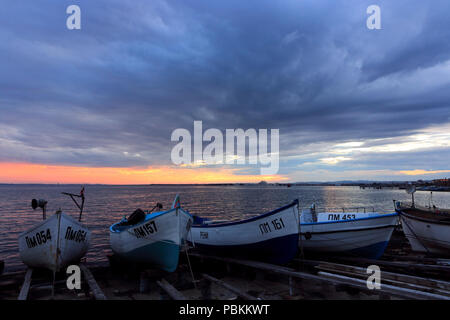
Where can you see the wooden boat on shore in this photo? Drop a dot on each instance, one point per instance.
(153, 237)
(361, 234)
(55, 242)
(271, 237)
(427, 229)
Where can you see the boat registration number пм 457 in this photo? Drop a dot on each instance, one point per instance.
(145, 230)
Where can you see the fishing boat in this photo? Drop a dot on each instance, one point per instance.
(426, 228)
(271, 237)
(152, 237)
(361, 234)
(55, 242)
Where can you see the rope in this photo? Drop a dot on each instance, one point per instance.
(190, 267)
(302, 254)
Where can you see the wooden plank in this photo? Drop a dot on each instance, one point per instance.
(410, 293)
(385, 280)
(170, 290)
(12, 274)
(26, 285)
(98, 293)
(390, 290)
(403, 265)
(426, 282)
(229, 287)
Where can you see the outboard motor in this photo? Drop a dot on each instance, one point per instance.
(41, 203)
(137, 216)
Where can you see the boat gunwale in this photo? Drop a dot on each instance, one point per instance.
(350, 230)
(155, 215)
(421, 219)
(72, 219)
(231, 223)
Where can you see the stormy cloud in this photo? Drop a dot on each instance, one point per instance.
(111, 93)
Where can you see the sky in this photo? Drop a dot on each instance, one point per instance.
(99, 104)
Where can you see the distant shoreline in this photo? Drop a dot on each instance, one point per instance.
(420, 185)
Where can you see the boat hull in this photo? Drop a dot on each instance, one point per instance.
(155, 241)
(54, 243)
(426, 236)
(365, 237)
(271, 237)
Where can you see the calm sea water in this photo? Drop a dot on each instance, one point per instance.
(108, 204)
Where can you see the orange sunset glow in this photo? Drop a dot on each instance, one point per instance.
(39, 173)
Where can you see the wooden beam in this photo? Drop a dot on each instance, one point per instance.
(98, 293)
(26, 285)
(386, 280)
(170, 290)
(425, 282)
(404, 293)
(403, 265)
(229, 287)
(409, 293)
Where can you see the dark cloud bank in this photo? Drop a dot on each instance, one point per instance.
(139, 69)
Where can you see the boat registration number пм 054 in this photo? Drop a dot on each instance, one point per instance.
(276, 224)
(40, 238)
(74, 235)
(338, 216)
(145, 230)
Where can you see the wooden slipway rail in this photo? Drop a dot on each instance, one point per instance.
(229, 287)
(170, 290)
(97, 292)
(406, 281)
(89, 278)
(338, 279)
(26, 285)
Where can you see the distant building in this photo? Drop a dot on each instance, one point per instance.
(442, 182)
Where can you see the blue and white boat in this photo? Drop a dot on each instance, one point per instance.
(361, 234)
(271, 237)
(152, 238)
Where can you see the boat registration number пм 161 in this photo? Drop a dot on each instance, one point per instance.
(277, 224)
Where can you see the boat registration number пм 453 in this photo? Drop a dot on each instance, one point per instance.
(266, 227)
(337, 217)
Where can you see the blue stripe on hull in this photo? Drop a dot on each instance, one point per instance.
(162, 254)
(279, 250)
(374, 251)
